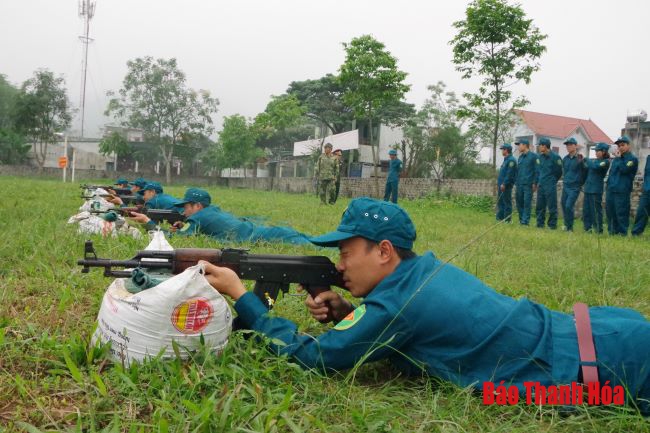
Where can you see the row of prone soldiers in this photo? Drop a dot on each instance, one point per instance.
(541, 172)
(202, 216)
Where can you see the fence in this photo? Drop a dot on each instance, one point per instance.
(409, 188)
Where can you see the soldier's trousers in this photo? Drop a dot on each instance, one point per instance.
(338, 188)
(592, 212)
(547, 198)
(327, 190)
(617, 207)
(524, 199)
(391, 190)
(642, 213)
(568, 202)
(504, 205)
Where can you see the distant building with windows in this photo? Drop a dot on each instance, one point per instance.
(532, 126)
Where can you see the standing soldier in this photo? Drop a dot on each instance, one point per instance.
(392, 181)
(507, 176)
(338, 153)
(619, 188)
(327, 169)
(572, 170)
(550, 171)
(643, 210)
(527, 169)
(592, 206)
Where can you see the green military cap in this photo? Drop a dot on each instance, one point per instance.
(328, 145)
(121, 181)
(374, 220)
(139, 182)
(602, 147)
(507, 146)
(544, 141)
(571, 141)
(522, 141)
(196, 195)
(153, 186)
(622, 139)
(392, 152)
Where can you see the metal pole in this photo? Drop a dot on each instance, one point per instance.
(65, 154)
(74, 162)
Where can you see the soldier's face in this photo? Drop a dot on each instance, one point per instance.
(600, 154)
(135, 188)
(571, 148)
(190, 209)
(623, 147)
(149, 194)
(328, 150)
(360, 265)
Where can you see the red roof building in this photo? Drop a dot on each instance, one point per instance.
(562, 127)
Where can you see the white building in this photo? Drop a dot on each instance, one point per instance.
(558, 129)
(358, 140)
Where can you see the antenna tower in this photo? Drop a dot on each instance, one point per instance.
(86, 12)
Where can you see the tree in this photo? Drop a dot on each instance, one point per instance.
(236, 145)
(41, 110)
(322, 100)
(371, 82)
(7, 94)
(13, 149)
(497, 42)
(114, 144)
(154, 97)
(273, 125)
(434, 140)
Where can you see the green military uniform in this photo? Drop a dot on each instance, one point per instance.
(327, 169)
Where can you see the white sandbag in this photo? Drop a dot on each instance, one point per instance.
(158, 242)
(93, 224)
(180, 309)
(95, 201)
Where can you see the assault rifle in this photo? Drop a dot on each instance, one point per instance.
(126, 199)
(271, 272)
(157, 215)
(118, 191)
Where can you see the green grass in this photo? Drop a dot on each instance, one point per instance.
(50, 380)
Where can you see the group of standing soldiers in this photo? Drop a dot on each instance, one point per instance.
(540, 173)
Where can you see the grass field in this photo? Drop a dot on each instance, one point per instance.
(50, 380)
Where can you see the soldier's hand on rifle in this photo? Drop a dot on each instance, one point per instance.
(115, 200)
(224, 280)
(502, 188)
(534, 187)
(177, 226)
(328, 306)
(139, 217)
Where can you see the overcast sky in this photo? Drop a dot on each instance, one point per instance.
(596, 65)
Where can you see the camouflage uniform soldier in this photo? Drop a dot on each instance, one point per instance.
(327, 169)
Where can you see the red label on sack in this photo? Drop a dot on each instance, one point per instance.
(192, 316)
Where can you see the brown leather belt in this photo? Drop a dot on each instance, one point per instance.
(585, 344)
